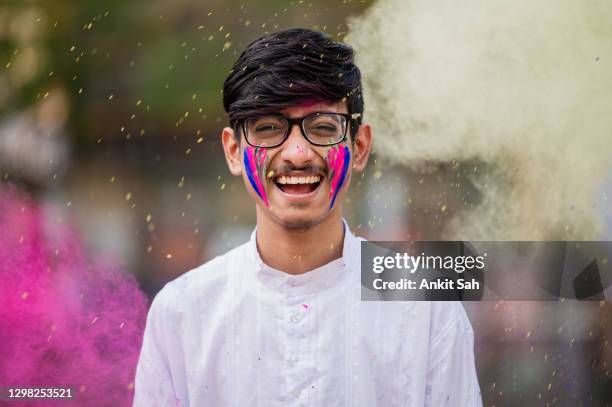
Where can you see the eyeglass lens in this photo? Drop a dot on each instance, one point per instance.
(323, 128)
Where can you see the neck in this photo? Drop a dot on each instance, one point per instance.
(297, 251)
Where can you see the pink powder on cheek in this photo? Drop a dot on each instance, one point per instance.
(63, 320)
(338, 159)
(262, 164)
(255, 162)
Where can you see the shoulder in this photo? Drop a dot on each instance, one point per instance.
(448, 321)
(202, 282)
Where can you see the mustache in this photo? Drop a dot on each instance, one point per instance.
(306, 170)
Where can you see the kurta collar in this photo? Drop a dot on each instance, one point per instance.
(312, 281)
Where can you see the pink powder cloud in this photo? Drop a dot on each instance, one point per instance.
(64, 321)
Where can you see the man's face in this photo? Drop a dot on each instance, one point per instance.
(298, 184)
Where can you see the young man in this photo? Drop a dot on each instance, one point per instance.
(278, 321)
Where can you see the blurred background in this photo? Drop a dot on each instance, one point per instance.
(111, 113)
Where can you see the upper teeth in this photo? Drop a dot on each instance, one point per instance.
(298, 180)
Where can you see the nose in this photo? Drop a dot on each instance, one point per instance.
(296, 149)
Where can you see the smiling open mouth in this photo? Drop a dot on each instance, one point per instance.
(298, 185)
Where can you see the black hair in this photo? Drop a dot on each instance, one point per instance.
(289, 67)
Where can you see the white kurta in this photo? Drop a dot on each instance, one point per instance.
(235, 332)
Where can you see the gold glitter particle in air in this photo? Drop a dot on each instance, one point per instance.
(128, 196)
(271, 174)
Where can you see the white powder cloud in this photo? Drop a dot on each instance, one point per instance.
(523, 89)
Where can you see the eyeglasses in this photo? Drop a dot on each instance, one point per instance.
(320, 128)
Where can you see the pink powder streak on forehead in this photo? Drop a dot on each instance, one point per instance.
(309, 103)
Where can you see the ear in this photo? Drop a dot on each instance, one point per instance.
(231, 148)
(361, 147)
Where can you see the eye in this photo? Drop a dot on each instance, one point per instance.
(326, 127)
(266, 127)
(323, 128)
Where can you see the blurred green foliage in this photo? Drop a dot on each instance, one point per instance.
(147, 67)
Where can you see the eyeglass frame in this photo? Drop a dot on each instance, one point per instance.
(299, 121)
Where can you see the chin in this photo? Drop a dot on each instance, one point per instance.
(294, 220)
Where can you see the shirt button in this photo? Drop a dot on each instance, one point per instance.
(296, 393)
(295, 318)
(294, 358)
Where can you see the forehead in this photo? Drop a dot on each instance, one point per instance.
(308, 107)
